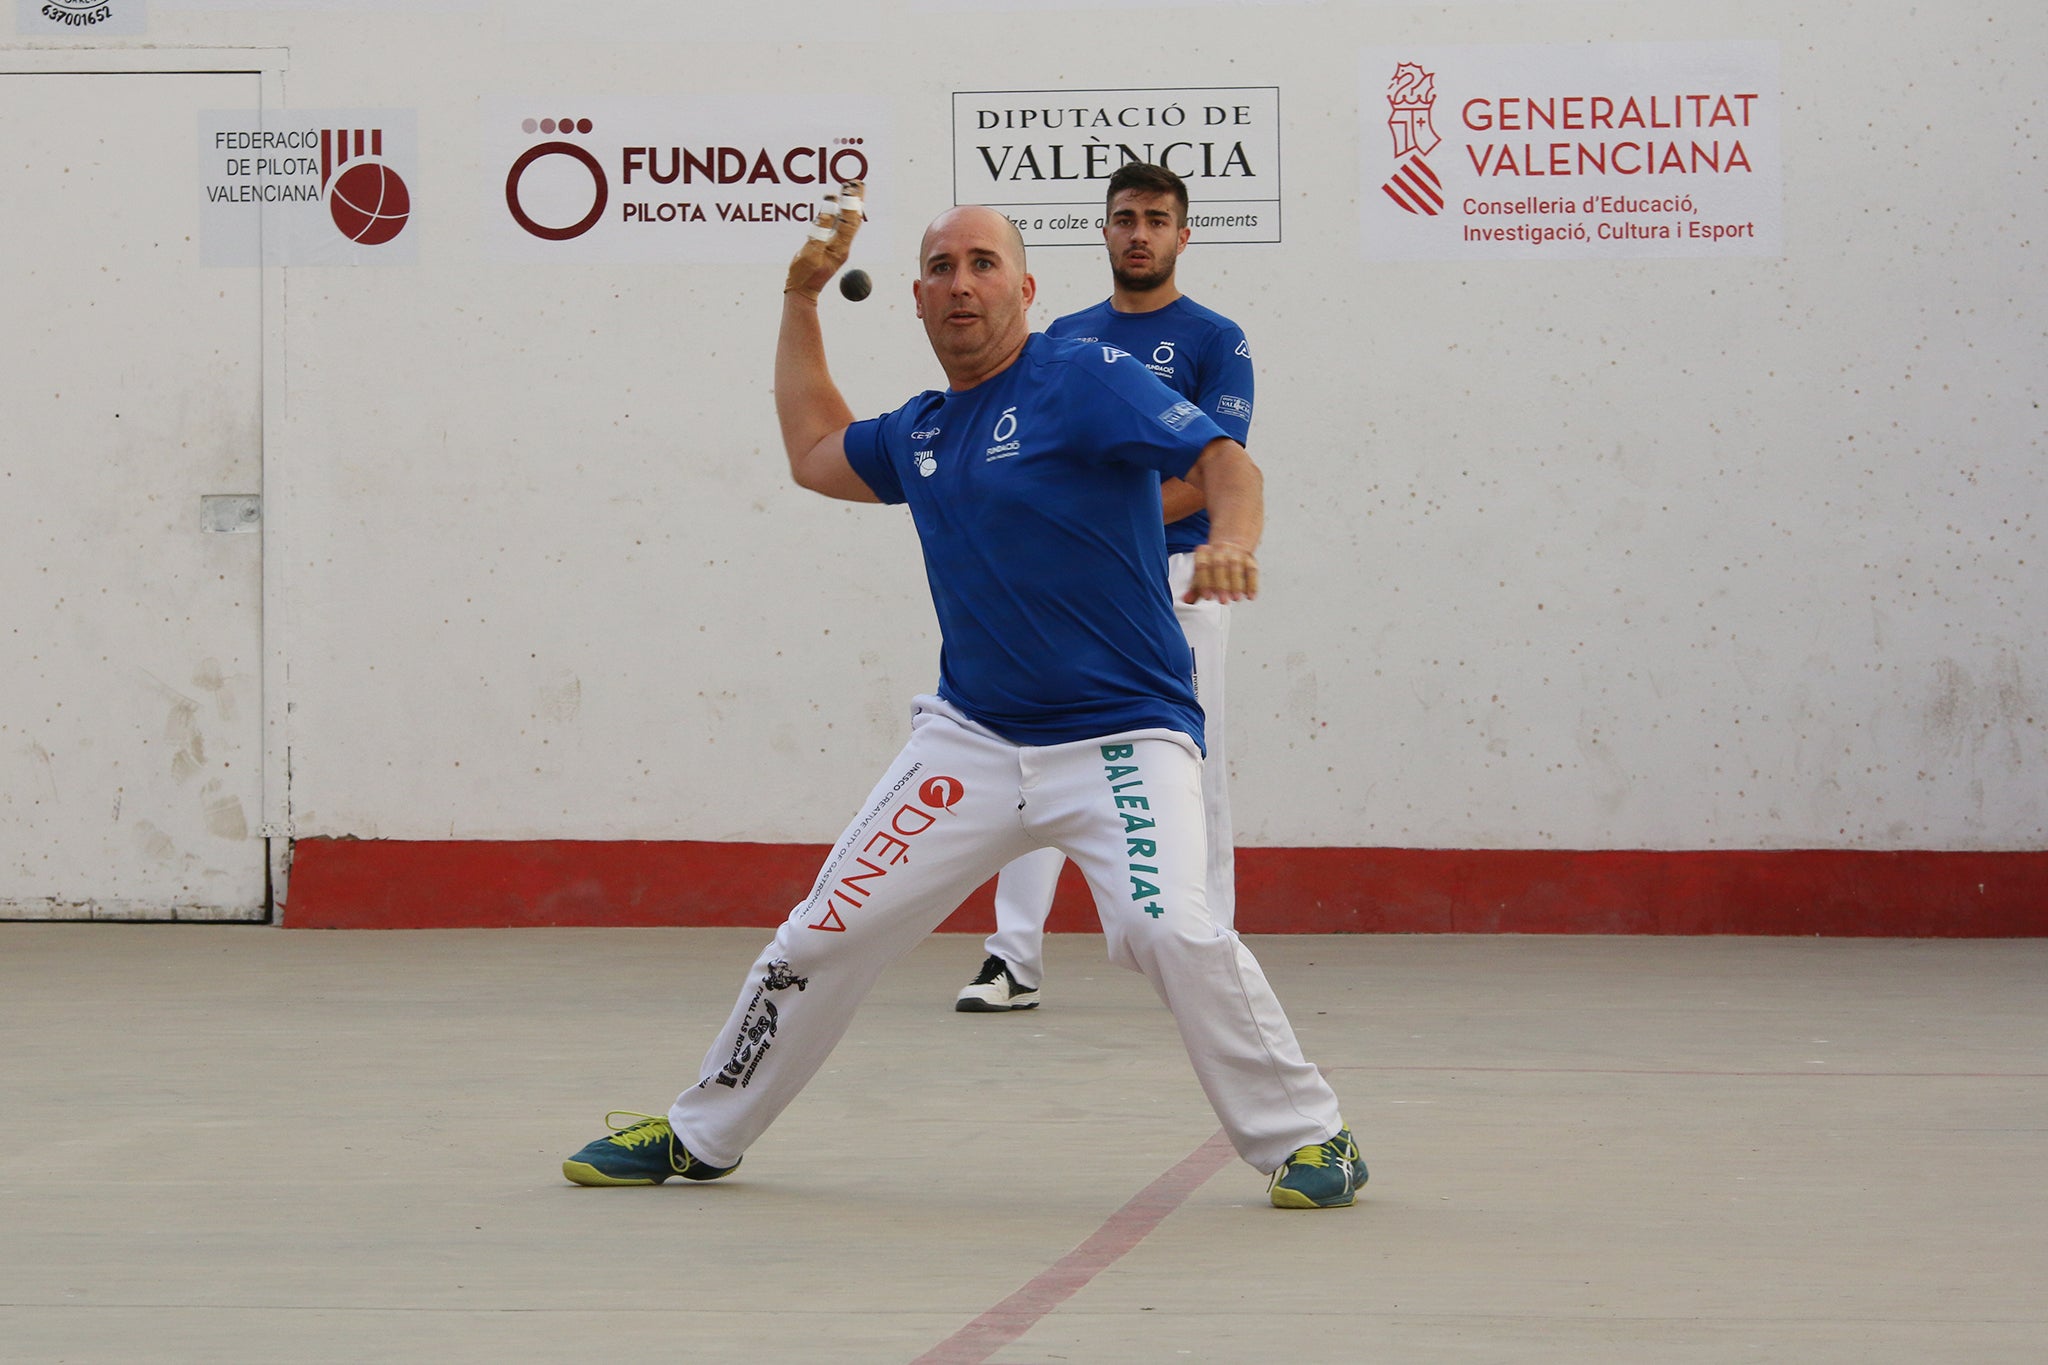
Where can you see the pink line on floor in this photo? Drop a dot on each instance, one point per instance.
(1819, 1069)
(1019, 1313)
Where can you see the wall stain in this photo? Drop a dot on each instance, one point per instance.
(209, 678)
(225, 818)
(154, 843)
(560, 701)
(181, 730)
(1996, 717)
(46, 766)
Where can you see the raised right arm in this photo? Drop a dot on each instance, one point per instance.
(813, 413)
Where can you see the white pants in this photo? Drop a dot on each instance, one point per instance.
(1024, 890)
(957, 804)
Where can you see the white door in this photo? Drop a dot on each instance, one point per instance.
(131, 773)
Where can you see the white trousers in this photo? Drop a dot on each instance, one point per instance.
(956, 804)
(1025, 888)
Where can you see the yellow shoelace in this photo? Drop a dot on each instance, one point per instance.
(1325, 1153)
(650, 1128)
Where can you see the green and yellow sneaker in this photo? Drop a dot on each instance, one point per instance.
(641, 1153)
(1323, 1176)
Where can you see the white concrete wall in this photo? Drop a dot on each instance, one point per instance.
(1659, 553)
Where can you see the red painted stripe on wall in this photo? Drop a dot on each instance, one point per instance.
(403, 884)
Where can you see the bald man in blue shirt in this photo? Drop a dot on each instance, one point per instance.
(1064, 714)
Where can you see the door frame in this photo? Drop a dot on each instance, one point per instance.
(268, 65)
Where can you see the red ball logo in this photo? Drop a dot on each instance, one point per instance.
(942, 793)
(369, 203)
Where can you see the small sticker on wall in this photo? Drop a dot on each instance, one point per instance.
(80, 18)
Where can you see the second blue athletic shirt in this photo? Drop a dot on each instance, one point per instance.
(1036, 499)
(1196, 352)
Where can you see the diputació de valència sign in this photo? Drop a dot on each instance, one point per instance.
(1044, 157)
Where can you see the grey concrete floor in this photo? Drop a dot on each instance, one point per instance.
(248, 1144)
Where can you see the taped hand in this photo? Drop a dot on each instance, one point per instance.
(829, 244)
(1224, 572)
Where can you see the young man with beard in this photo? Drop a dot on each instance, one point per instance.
(1065, 714)
(1202, 356)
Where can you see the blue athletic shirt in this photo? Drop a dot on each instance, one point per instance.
(1198, 353)
(1036, 498)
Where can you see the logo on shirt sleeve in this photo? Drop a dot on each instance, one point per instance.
(1244, 349)
(1110, 355)
(1179, 415)
(1230, 405)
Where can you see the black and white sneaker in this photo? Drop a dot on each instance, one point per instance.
(994, 990)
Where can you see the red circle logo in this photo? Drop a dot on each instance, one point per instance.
(941, 793)
(369, 203)
(600, 191)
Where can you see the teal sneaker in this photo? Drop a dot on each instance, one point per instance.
(1324, 1176)
(641, 1153)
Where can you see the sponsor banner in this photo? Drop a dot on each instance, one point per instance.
(308, 186)
(711, 179)
(1044, 157)
(1616, 150)
(80, 18)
